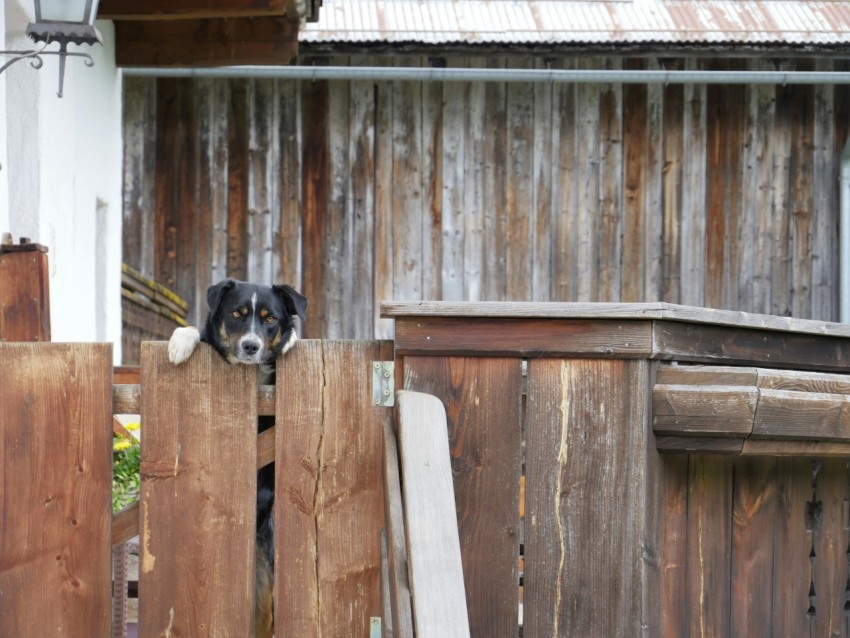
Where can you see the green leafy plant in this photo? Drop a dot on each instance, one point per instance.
(126, 453)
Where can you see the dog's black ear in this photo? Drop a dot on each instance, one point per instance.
(216, 292)
(295, 302)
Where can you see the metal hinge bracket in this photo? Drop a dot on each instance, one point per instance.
(383, 384)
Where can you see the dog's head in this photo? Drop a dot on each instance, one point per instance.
(252, 324)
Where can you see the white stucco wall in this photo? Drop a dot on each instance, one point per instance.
(63, 178)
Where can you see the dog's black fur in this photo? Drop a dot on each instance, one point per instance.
(251, 324)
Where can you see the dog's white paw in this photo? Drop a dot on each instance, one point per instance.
(182, 344)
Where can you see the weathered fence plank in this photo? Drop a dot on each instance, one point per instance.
(589, 524)
(198, 495)
(482, 398)
(329, 505)
(55, 455)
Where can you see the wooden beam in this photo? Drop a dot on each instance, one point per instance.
(715, 410)
(169, 10)
(206, 42)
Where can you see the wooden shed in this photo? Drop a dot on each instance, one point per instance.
(709, 192)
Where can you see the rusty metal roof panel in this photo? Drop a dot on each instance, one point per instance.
(533, 22)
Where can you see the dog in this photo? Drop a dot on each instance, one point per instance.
(250, 324)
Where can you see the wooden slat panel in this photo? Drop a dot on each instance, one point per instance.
(55, 454)
(674, 547)
(791, 546)
(545, 172)
(672, 179)
(762, 447)
(753, 518)
(803, 381)
(454, 159)
(288, 245)
(238, 174)
(589, 507)
(692, 266)
(706, 375)
(636, 133)
(475, 216)
(198, 496)
(709, 545)
(297, 483)
(610, 188)
(434, 559)
(482, 398)
(329, 469)
(691, 444)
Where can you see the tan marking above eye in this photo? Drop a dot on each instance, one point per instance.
(264, 313)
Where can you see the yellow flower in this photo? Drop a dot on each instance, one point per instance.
(119, 446)
(135, 425)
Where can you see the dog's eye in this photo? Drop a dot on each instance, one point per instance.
(236, 314)
(270, 319)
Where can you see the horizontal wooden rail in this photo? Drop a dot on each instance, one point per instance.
(754, 411)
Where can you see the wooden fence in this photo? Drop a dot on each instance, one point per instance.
(621, 536)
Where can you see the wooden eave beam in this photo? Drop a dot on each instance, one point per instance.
(206, 42)
(190, 9)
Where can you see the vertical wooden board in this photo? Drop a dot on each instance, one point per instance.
(635, 243)
(588, 162)
(289, 188)
(709, 545)
(349, 505)
(692, 264)
(544, 172)
(207, 177)
(589, 539)
(493, 189)
(218, 180)
(482, 399)
(55, 486)
(338, 253)
(673, 162)
(198, 495)
(754, 504)
(565, 239)
(299, 436)
(315, 186)
(801, 198)
(733, 144)
(781, 251)
(261, 188)
(361, 197)
(674, 546)
(765, 145)
(791, 548)
(655, 168)
(831, 547)
(473, 181)
(432, 185)
(238, 172)
(24, 296)
(407, 191)
(519, 185)
(823, 224)
(383, 267)
(454, 160)
(139, 131)
(716, 174)
(610, 196)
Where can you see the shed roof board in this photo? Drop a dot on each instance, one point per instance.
(580, 22)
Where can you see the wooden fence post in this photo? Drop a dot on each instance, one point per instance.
(24, 293)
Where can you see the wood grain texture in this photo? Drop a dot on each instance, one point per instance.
(55, 455)
(489, 187)
(718, 410)
(591, 524)
(674, 546)
(24, 295)
(328, 470)
(433, 546)
(198, 495)
(787, 414)
(398, 586)
(482, 399)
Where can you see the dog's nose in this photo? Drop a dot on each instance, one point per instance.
(250, 348)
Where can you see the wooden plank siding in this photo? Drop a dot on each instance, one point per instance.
(362, 191)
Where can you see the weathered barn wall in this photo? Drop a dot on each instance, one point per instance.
(357, 192)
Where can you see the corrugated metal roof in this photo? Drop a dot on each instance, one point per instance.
(550, 22)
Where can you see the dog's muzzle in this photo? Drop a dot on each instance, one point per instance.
(250, 349)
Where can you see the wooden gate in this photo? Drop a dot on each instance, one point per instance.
(197, 511)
